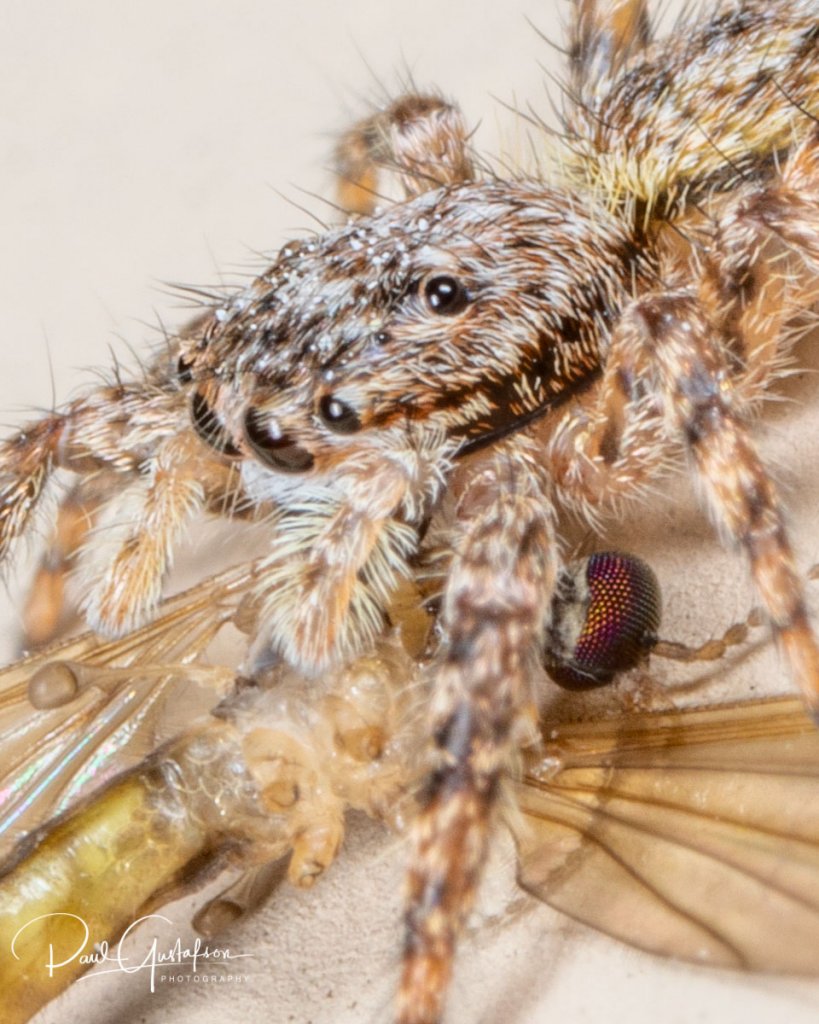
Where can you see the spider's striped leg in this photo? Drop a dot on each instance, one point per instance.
(117, 532)
(84, 437)
(762, 269)
(421, 139)
(494, 610)
(611, 447)
(790, 210)
(134, 544)
(142, 474)
(676, 347)
(604, 36)
(45, 610)
(112, 430)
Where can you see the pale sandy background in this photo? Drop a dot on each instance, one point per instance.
(150, 142)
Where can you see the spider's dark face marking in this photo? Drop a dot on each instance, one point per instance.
(452, 309)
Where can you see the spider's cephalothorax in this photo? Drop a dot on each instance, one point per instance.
(472, 309)
(460, 365)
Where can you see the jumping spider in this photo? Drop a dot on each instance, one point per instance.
(438, 379)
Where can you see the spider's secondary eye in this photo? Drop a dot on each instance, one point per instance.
(605, 614)
(445, 294)
(338, 416)
(280, 453)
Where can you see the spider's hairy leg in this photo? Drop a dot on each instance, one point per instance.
(117, 534)
(675, 344)
(792, 210)
(604, 36)
(134, 563)
(495, 606)
(142, 472)
(763, 268)
(88, 435)
(607, 449)
(45, 606)
(422, 139)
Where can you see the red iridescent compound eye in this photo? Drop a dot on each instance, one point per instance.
(605, 615)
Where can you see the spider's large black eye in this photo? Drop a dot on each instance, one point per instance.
(445, 294)
(338, 416)
(280, 453)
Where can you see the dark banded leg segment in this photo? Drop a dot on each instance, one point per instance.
(674, 342)
(421, 139)
(495, 607)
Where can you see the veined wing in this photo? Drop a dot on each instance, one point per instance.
(124, 705)
(693, 835)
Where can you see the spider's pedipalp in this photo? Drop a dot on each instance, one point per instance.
(605, 451)
(343, 548)
(494, 612)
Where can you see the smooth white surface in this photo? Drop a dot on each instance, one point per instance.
(149, 143)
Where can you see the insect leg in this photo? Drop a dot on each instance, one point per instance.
(494, 610)
(422, 139)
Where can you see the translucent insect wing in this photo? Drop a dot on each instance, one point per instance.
(693, 835)
(134, 693)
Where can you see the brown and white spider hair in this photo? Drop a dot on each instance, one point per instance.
(444, 376)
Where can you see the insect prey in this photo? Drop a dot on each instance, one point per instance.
(409, 412)
(603, 827)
